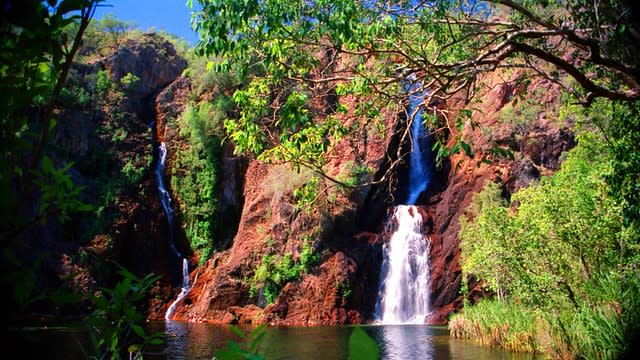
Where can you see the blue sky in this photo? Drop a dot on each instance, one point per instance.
(172, 16)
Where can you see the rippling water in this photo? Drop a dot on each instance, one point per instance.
(193, 341)
(397, 342)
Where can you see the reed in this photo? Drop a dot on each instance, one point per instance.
(603, 326)
(498, 323)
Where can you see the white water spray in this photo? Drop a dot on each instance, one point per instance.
(403, 294)
(165, 199)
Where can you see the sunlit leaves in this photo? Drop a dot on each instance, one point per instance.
(553, 238)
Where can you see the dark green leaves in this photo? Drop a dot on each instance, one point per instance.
(361, 346)
(245, 350)
(59, 194)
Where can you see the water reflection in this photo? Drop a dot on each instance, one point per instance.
(194, 341)
(183, 340)
(405, 341)
(187, 341)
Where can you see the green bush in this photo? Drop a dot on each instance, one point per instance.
(276, 271)
(103, 82)
(194, 177)
(129, 82)
(131, 171)
(560, 259)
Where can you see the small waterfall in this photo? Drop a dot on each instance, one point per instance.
(403, 294)
(183, 292)
(165, 199)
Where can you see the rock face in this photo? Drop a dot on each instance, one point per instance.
(112, 144)
(271, 225)
(349, 234)
(544, 144)
(153, 60)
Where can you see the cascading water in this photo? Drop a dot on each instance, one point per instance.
(419, 172)
(165, 199)
(403, 294)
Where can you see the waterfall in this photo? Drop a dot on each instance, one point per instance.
(165, 199)
(419, 170)
(403, 293)
(183, 292)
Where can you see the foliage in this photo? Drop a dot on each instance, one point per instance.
(195, 176)
(619, 122)
(129, 82)
(441, 48)
(343, 288)
(74, 93)
(115, 28)
(59, 193)
(103, 82)
(558, 234)
(522, 115)
(561, 260)
(133, 174)
(276, 271)
(361, 346)
(116, 325)
(248, 349)
(306, 195)
(624, 136)
(35, 57)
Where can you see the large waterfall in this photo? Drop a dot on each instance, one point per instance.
(403, 293)
(165, 199)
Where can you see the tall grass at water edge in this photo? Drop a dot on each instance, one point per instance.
(604, 326)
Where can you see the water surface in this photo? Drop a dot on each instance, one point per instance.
(397, 342)
(196, 341)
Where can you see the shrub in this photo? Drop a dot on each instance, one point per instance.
(129, 82)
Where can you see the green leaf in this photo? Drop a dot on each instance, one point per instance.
(467, 149)
(138, 330)
(236, 330)
(361, 346)
(68, 6)
(47, 165)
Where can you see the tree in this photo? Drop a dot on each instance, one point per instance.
(371, 49)
(35, 58)
(115, 28)
(554, 238)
